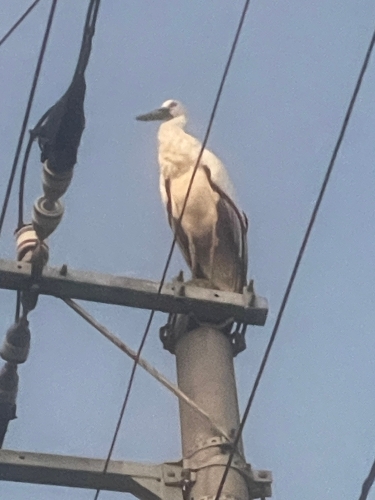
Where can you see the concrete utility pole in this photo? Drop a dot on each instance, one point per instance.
(205, 372)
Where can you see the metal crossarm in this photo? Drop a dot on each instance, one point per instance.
(144, 481)
(175, 297)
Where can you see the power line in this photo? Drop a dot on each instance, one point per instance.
(298, 261)
(27, 113)
(367, 483)
(21, 189)
(174, 389)
(50, 123)
(83, 58)
(169, 257)
(15, 26)
(25, 119)
(126, 398)
(20, 206)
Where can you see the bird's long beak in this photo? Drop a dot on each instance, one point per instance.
(157, 114)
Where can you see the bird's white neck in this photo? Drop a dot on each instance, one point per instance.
(176, 151)
(167, 127)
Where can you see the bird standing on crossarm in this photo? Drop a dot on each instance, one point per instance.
(213, 231)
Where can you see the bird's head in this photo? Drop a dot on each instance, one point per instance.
(168, 110)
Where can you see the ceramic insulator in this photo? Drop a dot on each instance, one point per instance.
(55, 184)
(46, 216)
(26, 241)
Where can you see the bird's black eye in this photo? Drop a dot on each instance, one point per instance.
(173, 104)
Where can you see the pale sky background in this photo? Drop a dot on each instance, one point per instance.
(313, 421)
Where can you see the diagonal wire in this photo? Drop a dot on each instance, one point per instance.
(88, 34)
(125, 402)
(367, 483)
(17, 23)
(169, 257)
(299, 258)
(27, 113)
(173, 388)
(209, 127)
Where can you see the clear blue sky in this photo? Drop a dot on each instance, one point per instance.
(312, 422)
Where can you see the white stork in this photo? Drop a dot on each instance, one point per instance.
(212, 233)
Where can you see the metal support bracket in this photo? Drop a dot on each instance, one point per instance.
(168, 333)
(145, 481)
(258, 481)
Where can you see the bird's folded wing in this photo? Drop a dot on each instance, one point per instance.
(230, 263)
(229, 266)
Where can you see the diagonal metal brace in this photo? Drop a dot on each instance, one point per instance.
(174, 389)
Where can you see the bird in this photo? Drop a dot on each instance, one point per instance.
(212, 233)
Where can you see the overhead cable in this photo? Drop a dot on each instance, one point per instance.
(17, 23)
(298, 259)
(60, 129)
(27, 113)
(169, 257)
(367, 483)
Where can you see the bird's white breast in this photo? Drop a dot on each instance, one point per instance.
(200, 214)
(178, 154)
(177, 151)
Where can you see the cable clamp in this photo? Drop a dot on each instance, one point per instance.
(175, 475)
(238, 463)
(258, 481)
(212, 442)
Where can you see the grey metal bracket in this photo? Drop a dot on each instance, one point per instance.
(258, 481)
(206, 304)
(145, 481)
(170, 331)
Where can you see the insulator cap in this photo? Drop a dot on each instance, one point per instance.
(8, 384)
(16, 345)
(27, 241)
(55, 184)
(46, 216)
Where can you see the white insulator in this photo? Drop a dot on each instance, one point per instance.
(55, 184)
(26, 241)
(46, 216)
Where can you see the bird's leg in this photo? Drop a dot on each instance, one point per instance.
(214, 242)
(193, 257)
